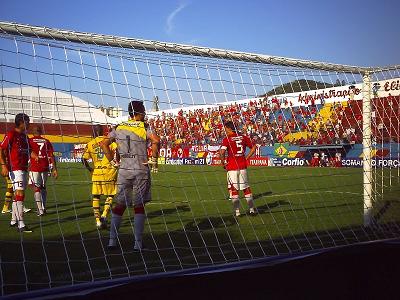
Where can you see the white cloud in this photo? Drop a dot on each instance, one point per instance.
(170, 19)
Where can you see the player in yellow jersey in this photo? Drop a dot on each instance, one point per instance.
(104, 175)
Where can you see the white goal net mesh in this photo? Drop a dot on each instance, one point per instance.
(326, 162)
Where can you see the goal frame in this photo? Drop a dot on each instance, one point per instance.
(17, 29)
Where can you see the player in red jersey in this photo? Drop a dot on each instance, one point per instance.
(14, 158)
(40, 167)
(235, 145)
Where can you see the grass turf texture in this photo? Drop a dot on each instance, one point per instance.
(190, 223)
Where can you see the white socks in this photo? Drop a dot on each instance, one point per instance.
(44, 198)
(139, 228)
(18, 213)
(38, 200)
(250, 201)
(139, 221)
(115, 224)
(13, 213)
(236, 206)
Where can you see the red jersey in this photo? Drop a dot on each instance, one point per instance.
(235, 145)
(44, 149)
(17, 150)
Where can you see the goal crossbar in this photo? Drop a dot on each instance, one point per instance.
(182, 49)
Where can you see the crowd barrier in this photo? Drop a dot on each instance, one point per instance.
(279, 155)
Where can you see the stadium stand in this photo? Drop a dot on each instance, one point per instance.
(268, 123)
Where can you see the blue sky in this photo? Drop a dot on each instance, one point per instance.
(351, 32)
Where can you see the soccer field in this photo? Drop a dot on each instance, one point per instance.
(190, 224)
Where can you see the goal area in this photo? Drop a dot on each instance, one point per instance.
(325, 173)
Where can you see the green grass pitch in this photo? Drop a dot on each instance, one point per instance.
(190, 223)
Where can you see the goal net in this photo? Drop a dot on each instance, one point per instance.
(325, 172)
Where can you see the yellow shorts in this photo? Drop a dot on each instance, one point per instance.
(104, 182)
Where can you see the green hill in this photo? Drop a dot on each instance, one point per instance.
(301, 85)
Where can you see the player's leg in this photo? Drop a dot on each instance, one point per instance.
(35, 181)
(96, 209)
(97, 191)
(38, 199)
(244, 186)
(20, 182)
(142, 191)
(234, 197)
(232, 178)
(43, 191)
(123, 199)
(116, 219)
(248, 195)
(107, 206)
(139, 221)
(25, 209)
(109, 190)
(8, 196)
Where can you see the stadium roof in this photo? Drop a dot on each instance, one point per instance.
(48, 106)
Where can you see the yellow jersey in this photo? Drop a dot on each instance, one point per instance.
(104, 175)
(94, 152)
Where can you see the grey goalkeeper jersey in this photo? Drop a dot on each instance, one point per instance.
(132, 138)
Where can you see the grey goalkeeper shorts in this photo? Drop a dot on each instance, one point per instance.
(133, 191)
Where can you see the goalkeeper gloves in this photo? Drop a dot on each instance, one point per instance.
(115, 163)
(153, 164)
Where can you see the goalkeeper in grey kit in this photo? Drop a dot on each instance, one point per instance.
(134, 181)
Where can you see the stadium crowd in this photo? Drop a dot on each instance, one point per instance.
(265, 121)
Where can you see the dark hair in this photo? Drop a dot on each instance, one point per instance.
(21, 118)
(97, 130)
(230, 125)
(136, 107)
(37, 129)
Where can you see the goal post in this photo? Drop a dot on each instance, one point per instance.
(367, 147)
(325, 172)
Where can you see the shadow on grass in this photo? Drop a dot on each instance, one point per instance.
(49, 222)
(78, 258)
(168, 211)
(382, 211)
(211, 223)
(83, 257)
(258, 196)
(53, 205)
(269, 206)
